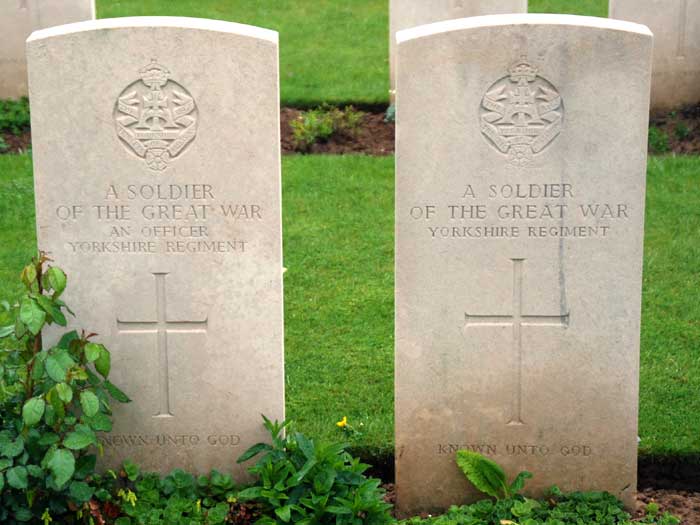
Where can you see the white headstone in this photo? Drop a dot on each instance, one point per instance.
(521, 158)
(676, 27)
(157, 173)
(404, 14)
(18, 18)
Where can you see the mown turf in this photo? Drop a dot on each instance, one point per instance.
(330, 50)
(338, 241)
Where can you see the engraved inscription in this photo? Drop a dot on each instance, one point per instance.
(517, 320)
(172, 440)
(521, 210)
(516, 449)
(162, 327)
(521, 114)
(156, 118)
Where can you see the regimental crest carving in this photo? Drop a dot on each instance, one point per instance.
(156, 117)
(521, 114)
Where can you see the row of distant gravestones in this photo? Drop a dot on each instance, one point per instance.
(521, 158)
(675, 24)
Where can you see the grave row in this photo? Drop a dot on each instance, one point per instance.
(521, 155)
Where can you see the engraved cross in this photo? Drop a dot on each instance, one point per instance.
(162, 328)
(517, 320)
(682, 28)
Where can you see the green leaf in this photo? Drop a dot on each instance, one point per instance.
(55, 370)
(80, 491)
(62, 466)
(50, 308)
(89, 403)
(17, 477)
(486, 475)
(253, 451)
(132, 470)
(28, 275)
(85, 466)
(123, 521)
(67, 339)
(65, 392)
(116, 393)
(49, 439)
(103, 363)
(2, 481)
(35, 471)
(284, 513)
(33, 411)
(519, 482)
(82, 437)
(93, 352)
(99, 422)
(57, 280)
(5, 463)
(12, 449)
(32, 315)
(6, 330)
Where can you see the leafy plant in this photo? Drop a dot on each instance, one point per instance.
(590, 508)
(488, 476)
(681, 130)
(178, 499)
(302, 483)
(53, 400)
(14, 115)
(390, 115)
(320, 124)
(658, 140)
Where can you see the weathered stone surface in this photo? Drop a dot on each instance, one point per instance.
(676, 27)
(18, 18)
(521, 156)
(404, 14)
(157, 168)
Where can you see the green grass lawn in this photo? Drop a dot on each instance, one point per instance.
(331, 51)
(338, 239)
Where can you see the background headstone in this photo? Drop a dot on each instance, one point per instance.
(521, 157)
(404, 14)
(157, 171)
(676, 27)
(18, 18)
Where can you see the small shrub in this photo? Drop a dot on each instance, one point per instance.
(303, 483)
(658, 141)
(390, 115)
(4, 146)
(681, 130)
(14, 116)
(320, 124)
(591, 508)
(53, 400)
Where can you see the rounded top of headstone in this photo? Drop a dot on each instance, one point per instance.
(203, 24)
(519, 19)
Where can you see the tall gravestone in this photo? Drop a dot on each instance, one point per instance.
(18, 18)
(521, 156)
(157, 173)
(404, 14)
(676, 27)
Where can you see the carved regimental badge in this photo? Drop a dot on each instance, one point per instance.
(521, 114)
(156, 117)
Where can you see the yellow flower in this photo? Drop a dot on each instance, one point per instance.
(128, 496)
(46, 517)
(343, 422)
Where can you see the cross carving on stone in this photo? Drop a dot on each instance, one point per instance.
(162, 327)
(517, 320)
(682, 28)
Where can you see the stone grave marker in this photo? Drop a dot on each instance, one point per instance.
(675, 80)
(521, 157)
(18, 18)
(404, 14)
(157, 174)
